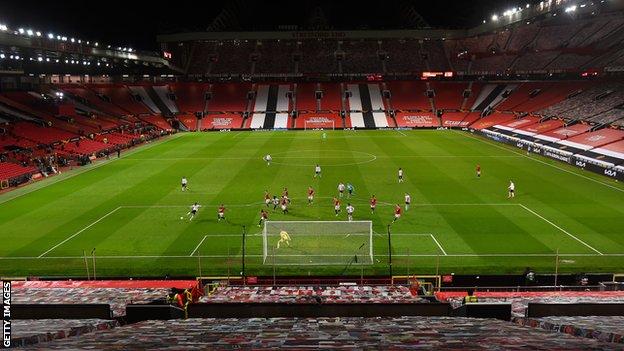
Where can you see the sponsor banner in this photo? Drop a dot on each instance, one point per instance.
(551, 153)
(608, 172)
(6, 314)
(221, 122)
(417, 121)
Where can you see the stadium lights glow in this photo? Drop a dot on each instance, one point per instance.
(494, 18)
(38, 33)
(30, 32)
(40, 59)
(72, 40)
(96, 44)
(528, 5)
(2, 56)
(21, 30)
(570, 9)
(64, 38)
(3, 27)
(50, 36)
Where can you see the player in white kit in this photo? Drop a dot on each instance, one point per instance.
(194, 208)
(184, 184)
(511, 190)
(350, 211)
(400, 175)
(317, 171)
(408, 201)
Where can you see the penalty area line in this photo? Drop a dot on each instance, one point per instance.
(438, 243)
(198, 245)
(561, 229)
(78, 232)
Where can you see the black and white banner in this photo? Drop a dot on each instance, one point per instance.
(366, 106)
(555, 154)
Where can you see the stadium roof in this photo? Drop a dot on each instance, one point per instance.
(117, 23)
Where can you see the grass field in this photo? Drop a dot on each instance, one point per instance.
(129, 209)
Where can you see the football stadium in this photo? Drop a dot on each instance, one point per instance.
(270, 175)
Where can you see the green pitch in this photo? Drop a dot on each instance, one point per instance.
(129, 210)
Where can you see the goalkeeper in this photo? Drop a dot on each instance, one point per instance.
(284, 238)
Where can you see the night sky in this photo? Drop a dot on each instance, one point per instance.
(115, 22)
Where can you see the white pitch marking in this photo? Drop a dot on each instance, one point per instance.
(80, 231)
(87, 169)
(438, 243)
(545, 163)
(198, 245)
(561, 229)
(379, 255)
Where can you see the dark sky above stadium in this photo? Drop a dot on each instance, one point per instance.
(121, 23)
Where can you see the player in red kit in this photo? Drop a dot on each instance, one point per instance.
(285, 194)
(285, 202)
(373, 204)
(267, 198)
(221, 213)
(264, 215)
(336, 206)
(478, 171)
(310, 195)
(397, 213)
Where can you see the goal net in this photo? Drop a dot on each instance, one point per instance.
(318, 243)
(318, 123)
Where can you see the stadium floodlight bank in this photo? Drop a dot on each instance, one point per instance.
(318, 243)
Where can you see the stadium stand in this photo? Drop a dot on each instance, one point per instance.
(9, 171)
(306, 294)
(29, 332)
(521, 300)
(121, 96)
(603, 328)
(228, 97)
(328, 333)
(190, 97)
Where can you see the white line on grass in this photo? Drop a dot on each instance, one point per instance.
(377, 255)
(80, 231)
(86, 169)
(198, 245)
(401, 132)
(543, 162)
(438, 243)
(324, 157)
(561, 229)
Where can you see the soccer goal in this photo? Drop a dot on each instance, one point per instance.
(320, 123)
(318, 243)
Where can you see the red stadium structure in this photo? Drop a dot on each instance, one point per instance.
(547, 79)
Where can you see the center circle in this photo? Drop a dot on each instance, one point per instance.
(324, 158)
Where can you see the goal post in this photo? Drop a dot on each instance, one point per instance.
(318, 243)
(319, 124)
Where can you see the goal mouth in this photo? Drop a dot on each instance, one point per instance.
(318, 243)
